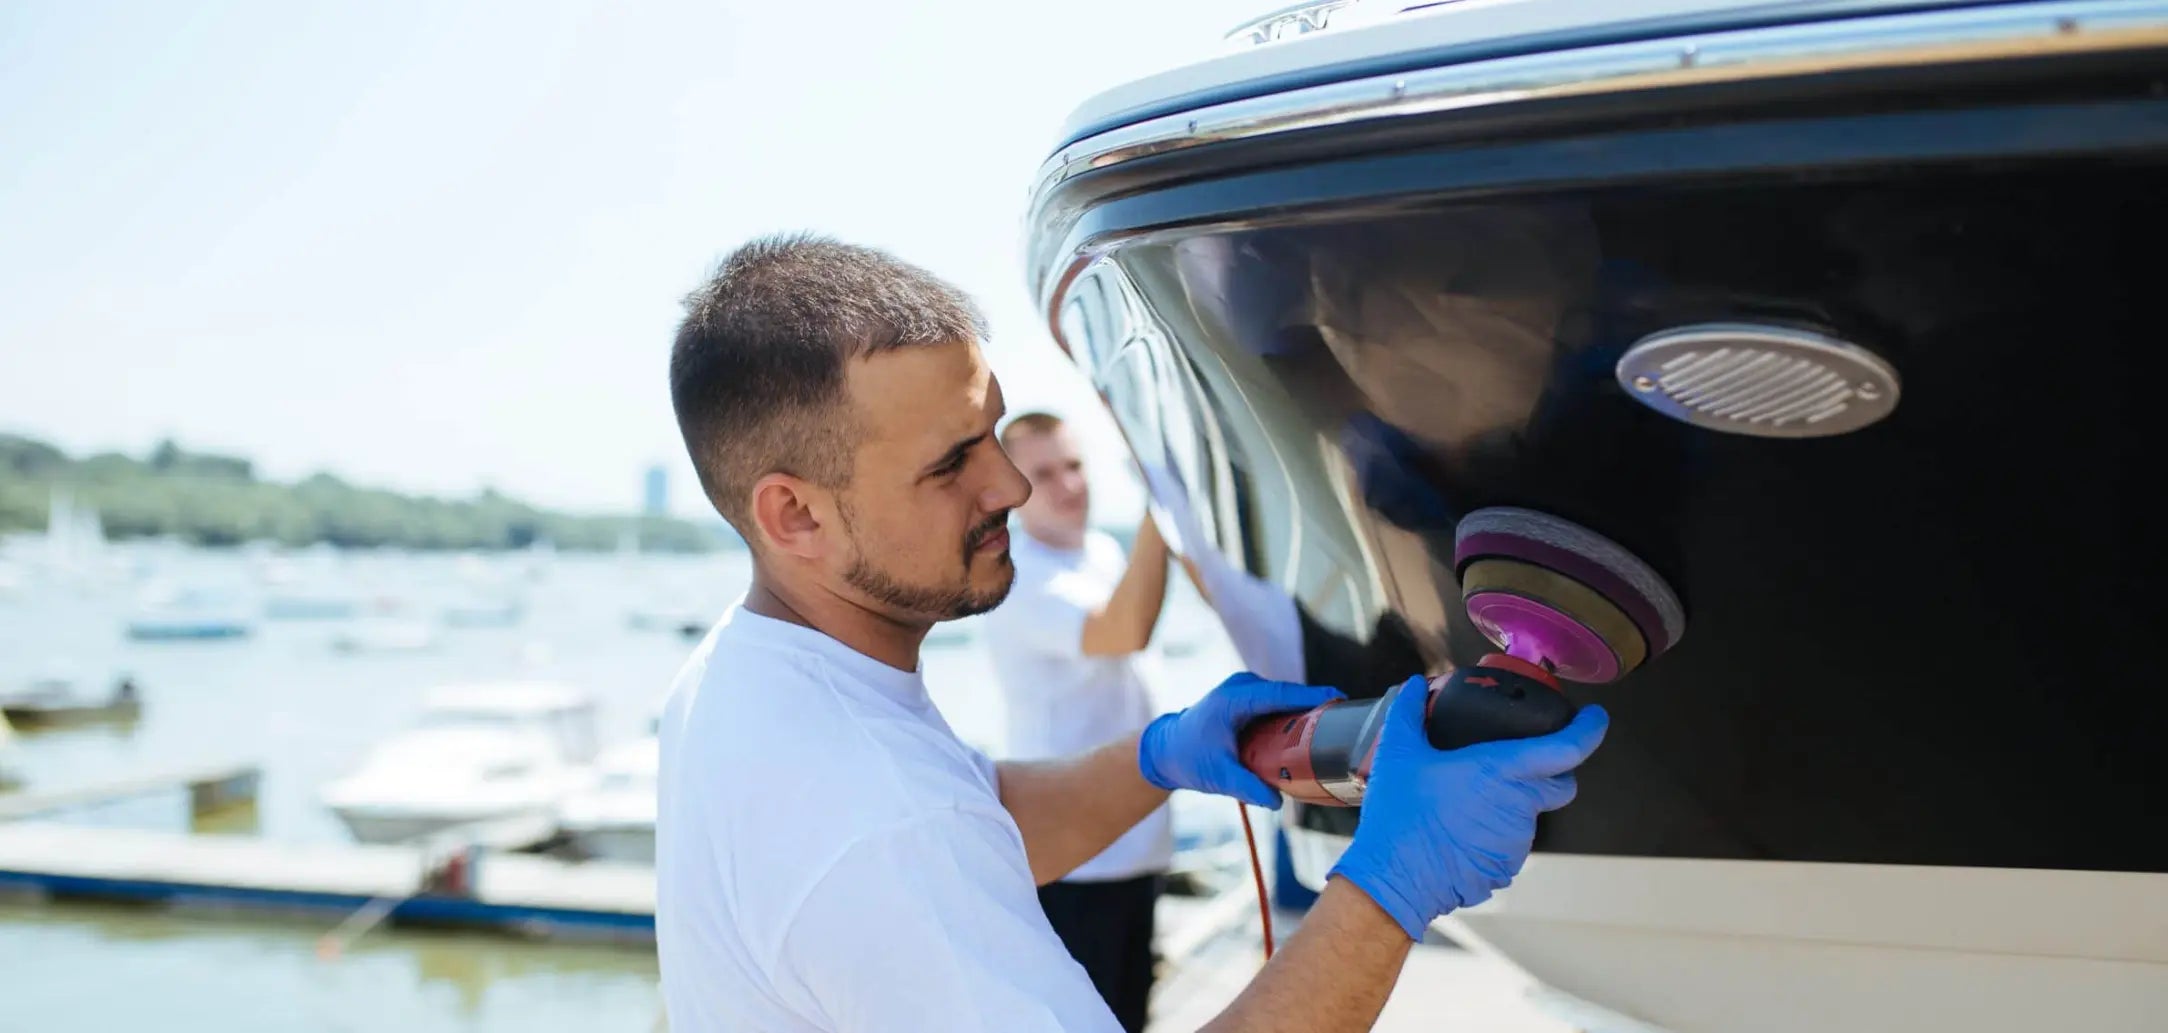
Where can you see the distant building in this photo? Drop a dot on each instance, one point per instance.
(658, 492)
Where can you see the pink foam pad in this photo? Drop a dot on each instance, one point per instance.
(1631, 601)
(1539, 634)
(1581, 554)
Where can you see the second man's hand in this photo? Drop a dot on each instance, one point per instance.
(1196, 748)
(1125, 624)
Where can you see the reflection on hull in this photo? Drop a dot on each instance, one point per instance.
(1882, 621)
(1913, 680)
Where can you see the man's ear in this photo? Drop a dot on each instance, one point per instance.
(787, 512)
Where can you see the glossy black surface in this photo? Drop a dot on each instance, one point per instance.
(1932, 641)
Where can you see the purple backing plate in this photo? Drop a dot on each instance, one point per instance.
(1580, 568)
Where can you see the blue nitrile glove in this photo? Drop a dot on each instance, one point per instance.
(1442, 829)
(1195, 748)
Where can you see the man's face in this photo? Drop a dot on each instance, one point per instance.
(927, 508)
(1061, 497)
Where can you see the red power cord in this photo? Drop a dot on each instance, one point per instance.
(1257, 872)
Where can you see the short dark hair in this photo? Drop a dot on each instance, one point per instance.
(1028, 423)
(756, 373)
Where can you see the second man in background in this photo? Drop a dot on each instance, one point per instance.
(1065, 647)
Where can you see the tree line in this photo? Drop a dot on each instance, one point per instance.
(214, 500)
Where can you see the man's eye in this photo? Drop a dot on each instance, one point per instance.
(950, 468)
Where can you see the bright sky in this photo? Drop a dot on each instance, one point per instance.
(436, 246)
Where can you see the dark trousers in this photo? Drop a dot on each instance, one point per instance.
(1107, 927)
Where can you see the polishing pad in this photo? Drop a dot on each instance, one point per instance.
(1563, 594)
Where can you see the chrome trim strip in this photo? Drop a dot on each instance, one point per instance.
(2057, 27)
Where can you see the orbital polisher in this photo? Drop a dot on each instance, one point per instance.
(1562, 601)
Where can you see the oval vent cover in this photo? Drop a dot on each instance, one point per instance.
(1764, 381)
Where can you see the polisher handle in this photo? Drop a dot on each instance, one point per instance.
(1323, 756)
(1487, 703)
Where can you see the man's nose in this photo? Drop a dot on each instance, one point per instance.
(1009, 488)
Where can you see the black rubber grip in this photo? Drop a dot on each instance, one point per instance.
(1487, 704)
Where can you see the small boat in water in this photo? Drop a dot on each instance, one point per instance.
(385, 635)
(683, 617)
(478, 753)
(481, 611)
(54, 701)
(613, 818)
(310, 606)
(169, 612)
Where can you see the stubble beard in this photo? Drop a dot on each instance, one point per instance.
(938, 602)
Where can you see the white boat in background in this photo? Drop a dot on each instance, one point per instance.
(685, 619)
(687, 608)
(306, 586)
(386, 635)
(480, 752)
(484, 611)
(613, 817)
(310, 606)
(59, 698)
(489, 594)
(75, 544)
(177, 612)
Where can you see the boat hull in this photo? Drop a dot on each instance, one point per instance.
(38, 715)
(1911, 679)
(1912, 644)
(1781, 947)
(1630, 944)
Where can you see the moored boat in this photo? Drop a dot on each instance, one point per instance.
(1831, 314)
(177, 612)
(613, 817)
(477, 753)
(56, 701)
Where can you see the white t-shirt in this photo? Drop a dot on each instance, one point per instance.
(1061, 702)
(830, 857)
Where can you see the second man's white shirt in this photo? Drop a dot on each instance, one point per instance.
(1062, 702)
